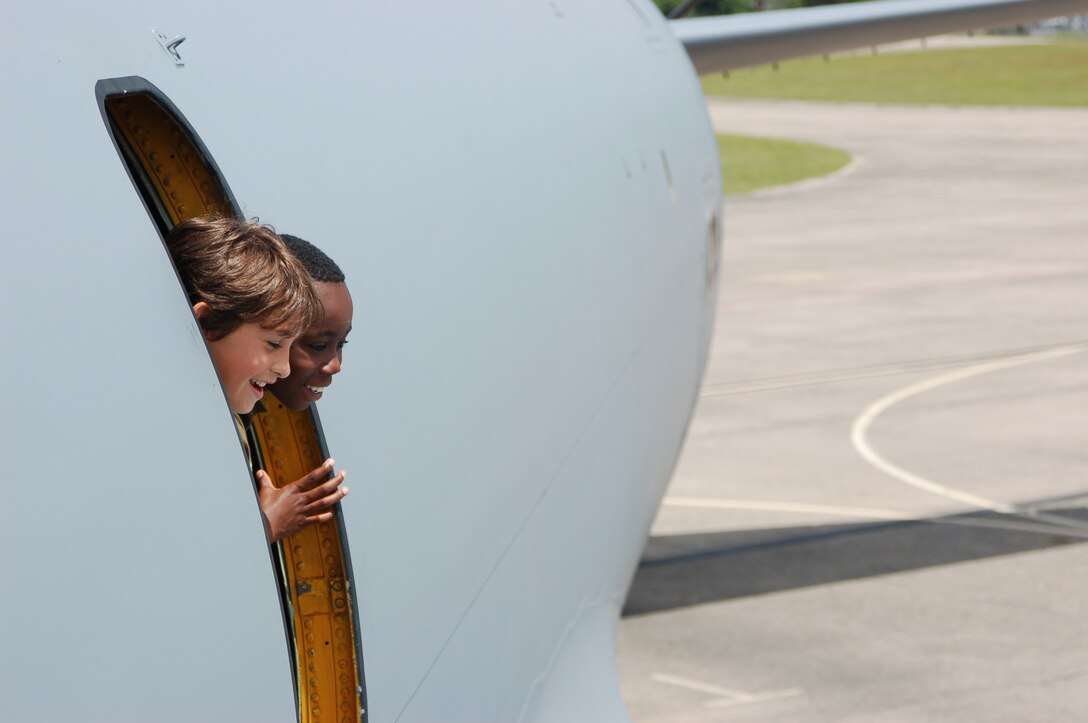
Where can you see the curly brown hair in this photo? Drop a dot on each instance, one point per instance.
(245, 273)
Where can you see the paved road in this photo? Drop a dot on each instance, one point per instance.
(880, 508)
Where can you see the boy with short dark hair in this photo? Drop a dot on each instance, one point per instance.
(315, 358)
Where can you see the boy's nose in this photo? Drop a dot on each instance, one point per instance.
(281, 366)
(333, 365)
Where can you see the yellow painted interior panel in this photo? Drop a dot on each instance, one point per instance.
(315, 575)
(318, 586)
(182, 180)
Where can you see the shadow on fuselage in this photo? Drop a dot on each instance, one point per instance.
(683, 570)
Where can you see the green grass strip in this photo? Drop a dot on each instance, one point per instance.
(1016, 75)
(749, 163)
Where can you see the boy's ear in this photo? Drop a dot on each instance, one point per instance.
(201, 311)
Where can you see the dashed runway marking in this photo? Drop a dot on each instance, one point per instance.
(725, 697)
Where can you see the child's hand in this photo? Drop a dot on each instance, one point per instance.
(301, 503)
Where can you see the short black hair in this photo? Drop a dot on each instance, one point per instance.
(316, 261)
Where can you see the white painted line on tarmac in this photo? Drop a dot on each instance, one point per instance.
(697, 685)
(1061, 520)
(866, 372)
(757, 698)
(1063, 527)
(1059, 525)
(725, 696)
(831, 510)
(874, 410)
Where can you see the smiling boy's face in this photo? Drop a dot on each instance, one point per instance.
(317, 353)
(248, 359)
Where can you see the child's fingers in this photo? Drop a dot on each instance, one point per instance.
(328, 500)
(323, 517)
(317, 476)
(326, 488)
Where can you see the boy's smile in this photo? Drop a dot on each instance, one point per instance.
(248, 359)
(316, 355)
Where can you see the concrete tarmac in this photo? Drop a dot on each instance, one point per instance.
(880, 511)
